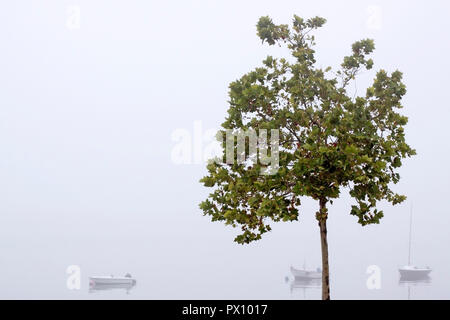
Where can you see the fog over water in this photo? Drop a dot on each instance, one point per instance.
(87, 177)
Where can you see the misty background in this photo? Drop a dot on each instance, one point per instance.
(87, 113)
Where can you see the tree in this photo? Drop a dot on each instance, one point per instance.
(328, 139)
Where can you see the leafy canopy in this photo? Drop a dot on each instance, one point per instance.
(328, 139)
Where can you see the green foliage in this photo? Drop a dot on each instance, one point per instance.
(329, 140)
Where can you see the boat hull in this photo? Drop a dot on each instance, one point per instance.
(111, 281)
(305, 274)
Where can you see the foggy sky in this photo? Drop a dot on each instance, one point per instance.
(86, 118)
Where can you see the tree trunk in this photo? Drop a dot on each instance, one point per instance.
(322, 217)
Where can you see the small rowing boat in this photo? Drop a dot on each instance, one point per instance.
(112, 280)
(306, 274)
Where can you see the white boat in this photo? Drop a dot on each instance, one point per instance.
(411, 272)
(300, 274)
(111, 280)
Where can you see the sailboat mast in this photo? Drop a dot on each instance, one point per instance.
(410, 231)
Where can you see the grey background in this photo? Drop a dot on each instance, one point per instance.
(86, 176)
